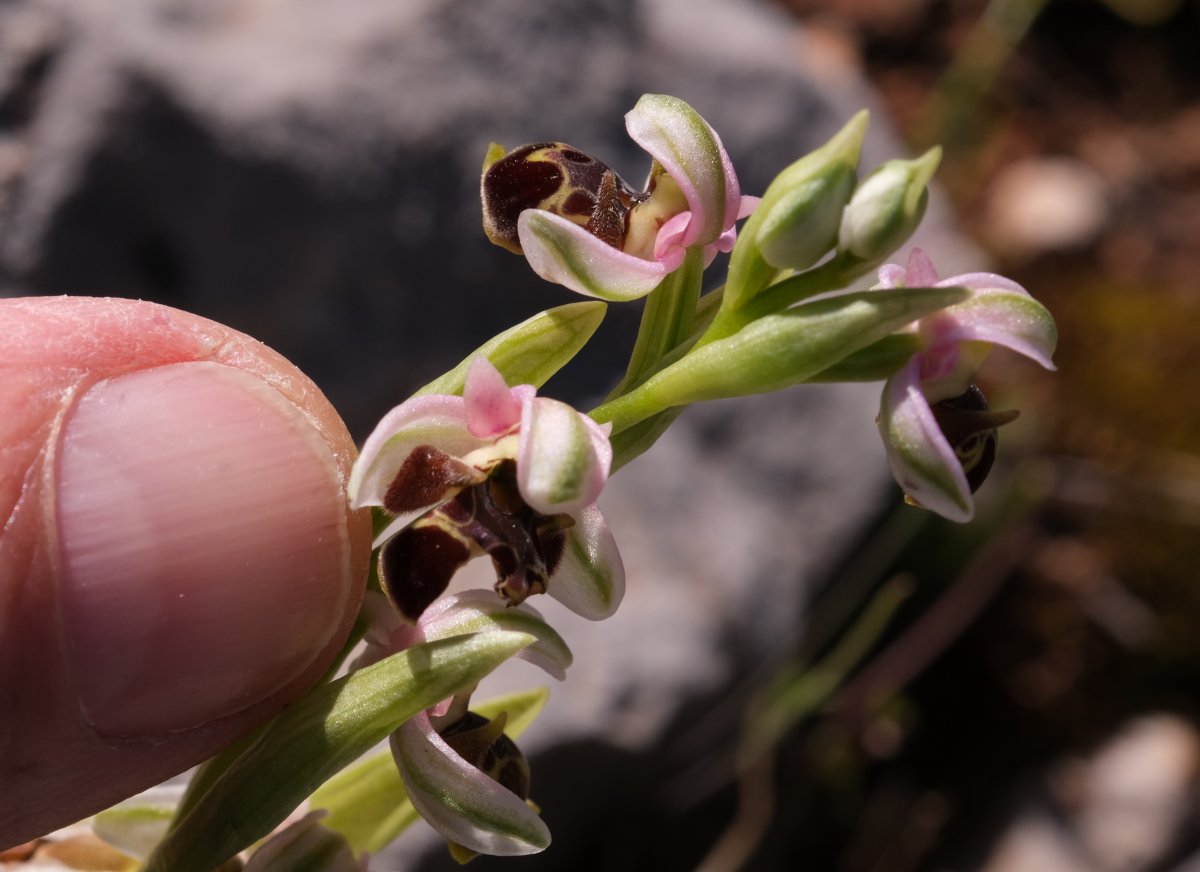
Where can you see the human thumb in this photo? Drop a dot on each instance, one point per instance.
(177, 561)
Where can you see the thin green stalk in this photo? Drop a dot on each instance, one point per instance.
(666, 320)
(953, 107)
(798, 693)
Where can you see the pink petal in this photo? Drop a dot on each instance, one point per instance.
(458, 800)
(1012, 319)
(562, 252)
(726, 240)
(435, 419)
(690, 151)
(671, 234)
(920, 272)
(386, 632)
(892, 275)
(563, 458)
(590, 579)
(492, 408)
(747, 206)
(921, 459)
(982, 281)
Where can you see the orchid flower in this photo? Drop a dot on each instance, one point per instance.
(499, 471)
(466, 778)
(580, 225)
(939, 434)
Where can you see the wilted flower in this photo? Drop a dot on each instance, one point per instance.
(936, 426)
(580, 225)
(497, 471)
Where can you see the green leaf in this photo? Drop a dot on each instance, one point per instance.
(876, 362)
(318, 736)
(367, 802)
(778, 350)
(532, 351)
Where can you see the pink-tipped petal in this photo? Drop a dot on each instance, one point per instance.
(671, 235)
(476, 611)
(691, 152)
(492, 408)
(386, 632)
(1002, 317)
(590, 578)
(982, 281)
(892, 275)
(921, 459)
(724, 243)
(436, 420)
(562, 252)
(563, 459)
(920, 272)
(747, 205)
(460, 801)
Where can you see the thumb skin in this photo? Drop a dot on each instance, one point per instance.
(178, 561)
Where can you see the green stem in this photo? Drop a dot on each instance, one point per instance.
(795, 696)
(829, 276)
(666, 320)
(952, 111)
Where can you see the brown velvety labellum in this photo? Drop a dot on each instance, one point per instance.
(416, 565)
(558, 178)
(474, 738)
(425, 477)
(970, 428)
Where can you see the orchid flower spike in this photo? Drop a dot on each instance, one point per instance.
(497, 471)
(937, 429)
(462, 773)
(580, 225)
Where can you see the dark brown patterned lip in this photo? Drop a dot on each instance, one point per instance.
(426, 477)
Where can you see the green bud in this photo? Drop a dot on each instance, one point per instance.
(800, 212)
(887, 207)
(797, 221)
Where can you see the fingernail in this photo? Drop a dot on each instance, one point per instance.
(203, 546)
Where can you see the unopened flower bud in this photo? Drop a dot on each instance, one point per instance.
(797, 220)
(887, 207)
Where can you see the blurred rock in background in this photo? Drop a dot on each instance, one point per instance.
(307, 172)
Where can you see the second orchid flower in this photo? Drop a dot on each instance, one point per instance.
(497, 471)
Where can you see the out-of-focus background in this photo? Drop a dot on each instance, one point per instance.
(806, 674)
